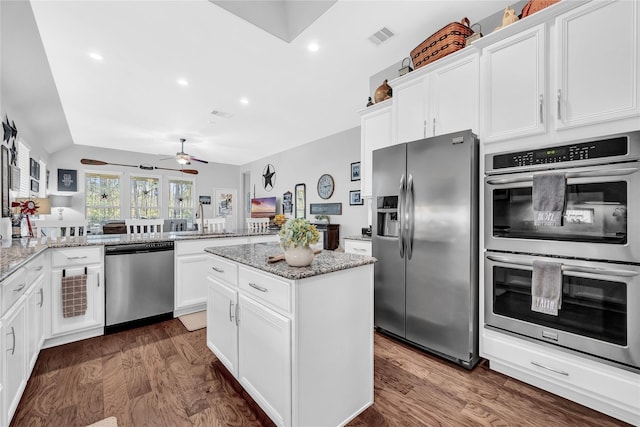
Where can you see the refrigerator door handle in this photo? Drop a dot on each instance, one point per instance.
(410, 216)
(401, 197)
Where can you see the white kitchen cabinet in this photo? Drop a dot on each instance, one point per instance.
(264, 341)
(440, 98)
(14, 357)
(597, 71)
(514, 86)
(288, 356)
(222, 326)
(190, 269)
(375, 128)
(358, 247)
(73, 262)
(36, 309)
(608, 389)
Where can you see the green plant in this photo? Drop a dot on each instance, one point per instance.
(298, 232)
(323, 218)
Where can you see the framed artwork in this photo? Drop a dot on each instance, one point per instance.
(48, 173)
(6, 209)
(34, 168)
(325, 208)
(205, 200)
(355, 198)
(225, 202)
(287, 203)
(301, 200)
(355, 171)
(67, 180)
(35, 186)
(15, 178)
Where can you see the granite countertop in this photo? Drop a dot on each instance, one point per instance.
(255, 255)
(359, 237)
(24, 249)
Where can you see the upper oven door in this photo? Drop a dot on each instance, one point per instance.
(595, 222)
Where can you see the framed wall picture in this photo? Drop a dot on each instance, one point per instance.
(287, 203)
(35, 186)
(34, 168)
(355, 198)
(355, 171)
(325, 208)
(301, 200)
(67, 180)
(6, 209)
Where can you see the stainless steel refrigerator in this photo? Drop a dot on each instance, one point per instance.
(425, 237)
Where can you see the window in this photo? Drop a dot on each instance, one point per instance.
(102, 198)
(145, 197)
(181, 200)
(23, 164)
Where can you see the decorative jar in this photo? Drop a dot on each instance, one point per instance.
(300, 256)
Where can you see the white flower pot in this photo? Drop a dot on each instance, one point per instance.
(300, 256)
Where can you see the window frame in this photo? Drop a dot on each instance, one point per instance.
(132, 177)
(193, 207)
(118, 174)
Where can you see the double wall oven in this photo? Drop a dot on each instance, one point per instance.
(597, 244)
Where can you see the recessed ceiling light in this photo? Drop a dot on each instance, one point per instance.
(183, 82)
(244, 101)
(313, 47)
(95, 56)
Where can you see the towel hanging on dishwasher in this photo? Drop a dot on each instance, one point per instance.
(74, 295)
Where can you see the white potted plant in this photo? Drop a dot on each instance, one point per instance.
(295, 237)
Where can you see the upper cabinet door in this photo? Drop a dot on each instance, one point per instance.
(597, 63)
(513, 86)
(375, 133)
(410, 110)
(454, 94)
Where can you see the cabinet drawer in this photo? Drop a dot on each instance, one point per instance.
(588, 377)
(13, 287)
(222, 269)
(357, 247)
(34, 269)
(76, 256)
(266, 288)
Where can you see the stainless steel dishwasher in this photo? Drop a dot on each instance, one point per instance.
(138, 284)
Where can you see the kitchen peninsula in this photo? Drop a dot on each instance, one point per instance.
(299, 340)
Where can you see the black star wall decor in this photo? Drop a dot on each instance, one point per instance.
(269, 177)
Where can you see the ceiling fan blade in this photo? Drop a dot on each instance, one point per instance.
(189, 171)
(198, 160)
(101, 163)
(168, 158)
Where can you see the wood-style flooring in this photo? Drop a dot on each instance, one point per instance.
(163, 375)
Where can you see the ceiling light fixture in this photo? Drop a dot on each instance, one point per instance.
(244, 101)
(183, 82)
(313, 47)
(95, 56)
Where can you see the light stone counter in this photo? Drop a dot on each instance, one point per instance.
(256, 255)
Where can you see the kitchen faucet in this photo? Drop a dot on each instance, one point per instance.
(201, 213)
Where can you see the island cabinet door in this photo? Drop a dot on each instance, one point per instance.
(265, 358)
(222, 329)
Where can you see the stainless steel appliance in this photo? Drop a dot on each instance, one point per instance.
(138, 284)
(597, 244)
(425, 239)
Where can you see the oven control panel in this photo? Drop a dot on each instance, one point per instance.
(564, 153)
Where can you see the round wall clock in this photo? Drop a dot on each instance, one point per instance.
(325, 186)
(268, 177)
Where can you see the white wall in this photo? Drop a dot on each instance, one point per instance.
(210, 176)
(305, 164)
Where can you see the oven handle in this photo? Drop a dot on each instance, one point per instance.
(582, 174)
(570, 268)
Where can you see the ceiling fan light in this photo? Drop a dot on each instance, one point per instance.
(182, 160)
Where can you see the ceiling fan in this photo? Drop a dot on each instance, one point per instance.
(184, 158)
(143, 167)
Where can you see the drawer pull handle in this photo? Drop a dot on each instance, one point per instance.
(41, 292)
(13, 348)
(359, 249)
(19, 287)
(548, 368)
(230, 311)
(38, 268)
(260, 288)
(219, 270)
(70, 258)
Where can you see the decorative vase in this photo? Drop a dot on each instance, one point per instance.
(383, 92)
(300, 256)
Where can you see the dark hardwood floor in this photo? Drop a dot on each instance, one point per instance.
(162, 375)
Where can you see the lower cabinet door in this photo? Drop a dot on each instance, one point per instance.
(35, 320)
(265, 358)
(14, 359)
(189, 288)
(94, 315)
(222, 330)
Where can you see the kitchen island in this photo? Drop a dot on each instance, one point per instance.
(299, 340)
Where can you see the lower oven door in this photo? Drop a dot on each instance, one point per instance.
(600, 305)
(595, 222)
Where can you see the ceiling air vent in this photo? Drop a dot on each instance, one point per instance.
(222, 114)
(381, 36)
